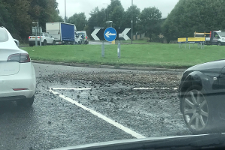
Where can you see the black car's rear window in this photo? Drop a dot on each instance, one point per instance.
(3, 35)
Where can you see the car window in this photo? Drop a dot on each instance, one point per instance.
(221, 34)
(107, 70)
(3, 35)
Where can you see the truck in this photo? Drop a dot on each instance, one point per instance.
(213, 37)
(42, 37)
(63, 33)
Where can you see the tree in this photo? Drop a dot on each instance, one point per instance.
(97, 19)
(132, 13)
(150, 21)
(5, 18)
(44, 11)
(17, 15)
(194, 15)
(79, 20)
(115, 13)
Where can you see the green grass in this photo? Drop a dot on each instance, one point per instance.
(154, 55)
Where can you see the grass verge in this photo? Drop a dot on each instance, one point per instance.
(148, 55)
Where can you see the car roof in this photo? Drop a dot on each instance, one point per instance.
(81, 31)
(7, 41)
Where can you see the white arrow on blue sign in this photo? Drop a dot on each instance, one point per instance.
(110, 34)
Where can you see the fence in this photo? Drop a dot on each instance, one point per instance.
(192, 40)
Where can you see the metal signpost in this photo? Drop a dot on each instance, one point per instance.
(38, 31)
(110, 35)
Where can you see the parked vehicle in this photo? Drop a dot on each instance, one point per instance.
(201, 94)
(17, 74)
(45, 39)
(63, 33)
(213, 38)
(82, 37)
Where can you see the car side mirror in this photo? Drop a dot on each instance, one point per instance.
(17, 42)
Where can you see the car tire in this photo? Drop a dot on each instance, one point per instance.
(219, 44)
(44, 43)
(28, 102)
(53, 43)
(198, 111)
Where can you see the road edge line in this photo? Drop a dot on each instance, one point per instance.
(99, 115)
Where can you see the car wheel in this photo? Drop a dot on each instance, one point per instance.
(26, 102)
(219, 44)
(198, 111)
(53, 43)
(44, 43)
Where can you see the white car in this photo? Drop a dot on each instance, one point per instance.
(45, 39)
(17, 74)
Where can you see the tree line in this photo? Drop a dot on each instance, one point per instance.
(187, 17)
(17, 15)
(147, 21)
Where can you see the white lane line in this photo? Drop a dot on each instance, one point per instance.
(143, 88)
(153, 88)
(112, 122)
(76, 89)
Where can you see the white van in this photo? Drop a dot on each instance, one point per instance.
(81, 37)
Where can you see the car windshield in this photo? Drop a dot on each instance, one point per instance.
(222, 34)
(3, 35)
(81, 34)
(111, 70)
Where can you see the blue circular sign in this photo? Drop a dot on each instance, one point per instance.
(110, 34)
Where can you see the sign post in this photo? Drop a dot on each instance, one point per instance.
(103, 49)
(118, 50)
(110, 34)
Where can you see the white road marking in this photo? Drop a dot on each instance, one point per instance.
(143, 88)
(76, 89)
(153, 88)
(112, 122)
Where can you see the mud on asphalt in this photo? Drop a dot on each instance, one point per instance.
(150, 112)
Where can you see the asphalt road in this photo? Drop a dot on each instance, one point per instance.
(75, 105)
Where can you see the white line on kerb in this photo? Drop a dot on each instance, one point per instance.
(76, 89)
(112, 122)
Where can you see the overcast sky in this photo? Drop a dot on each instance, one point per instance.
(86, 6)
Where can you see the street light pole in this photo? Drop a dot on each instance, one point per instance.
(106, 17)
(36, 28)
(65, 12)
(132, 22)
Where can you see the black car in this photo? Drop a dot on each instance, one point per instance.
(202, 97)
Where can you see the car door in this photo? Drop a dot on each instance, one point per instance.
(48, 38)
(221, 80)
(215, 38)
